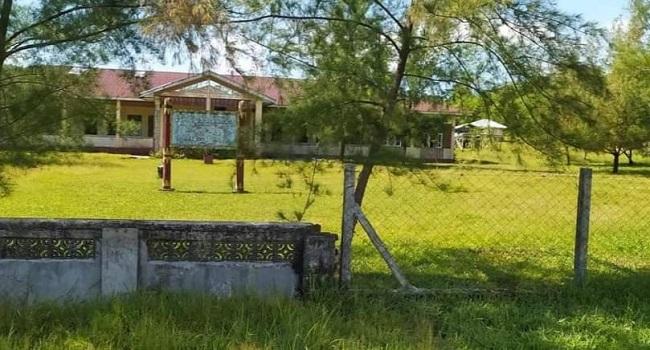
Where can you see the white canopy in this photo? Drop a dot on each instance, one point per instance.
(484, 124)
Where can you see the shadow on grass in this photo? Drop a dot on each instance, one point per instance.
(539, 307)
(489, 269)
(26, 160)
(511, 270)
(237, 193)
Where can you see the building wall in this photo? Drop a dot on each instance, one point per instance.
(143, 109)
(147, 110)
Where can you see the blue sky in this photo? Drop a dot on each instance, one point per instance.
(604, 12)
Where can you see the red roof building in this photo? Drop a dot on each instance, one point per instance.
(139, 97)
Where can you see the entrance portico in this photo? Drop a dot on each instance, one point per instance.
(209, 92)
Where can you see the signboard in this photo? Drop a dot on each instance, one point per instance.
(204, 129)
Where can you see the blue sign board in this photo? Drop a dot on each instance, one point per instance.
(204, 129)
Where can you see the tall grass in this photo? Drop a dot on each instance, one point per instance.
(565, 319)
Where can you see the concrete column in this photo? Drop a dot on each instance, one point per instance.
(119, 255)
(118, 116)
(157, 122)
(258, 123)
(453, 134)
(319, 261)
(102, 128)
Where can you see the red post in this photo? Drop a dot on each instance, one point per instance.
(166, 143)
(243, 109)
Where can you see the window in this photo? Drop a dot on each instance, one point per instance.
(275, 132)
(394, 141)
(110, 127)
(302, 136)
(134, 118)
(150, 126)
(134, 127)
(434, 142)
(90, 127)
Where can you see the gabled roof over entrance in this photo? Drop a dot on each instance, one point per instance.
(176, 87)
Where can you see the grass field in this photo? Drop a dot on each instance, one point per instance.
(495, 220)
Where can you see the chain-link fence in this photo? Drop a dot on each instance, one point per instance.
(619, 243)
(481, 227)
(450, 226)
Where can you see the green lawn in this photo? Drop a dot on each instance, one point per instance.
(495, 220)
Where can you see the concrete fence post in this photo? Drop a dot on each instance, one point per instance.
(119, 260)
(347, 225)
(318, 261)
(582, 227)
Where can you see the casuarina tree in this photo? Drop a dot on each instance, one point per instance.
(367, 63)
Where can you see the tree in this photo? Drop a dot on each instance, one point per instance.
(624, 117)
(39, 44)
(561, 116)
(602, 109)
(368, 62)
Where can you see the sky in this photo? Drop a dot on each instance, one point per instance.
(603, 12)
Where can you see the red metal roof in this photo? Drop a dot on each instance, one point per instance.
(119, 83)
(115, 83)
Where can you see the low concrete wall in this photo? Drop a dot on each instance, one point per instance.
(81, 259)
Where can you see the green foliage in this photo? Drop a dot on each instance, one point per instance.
(599, 108)
(334, 320)
(40, 43)
(127, 128)
(368, 64)
(313, 187)
(44, 100)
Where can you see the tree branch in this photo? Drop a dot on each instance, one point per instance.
(318, 18)
(50, 18)
(70, 39)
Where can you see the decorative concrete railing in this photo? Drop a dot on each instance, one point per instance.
(311, 150)
(81, 259)
(112, 141)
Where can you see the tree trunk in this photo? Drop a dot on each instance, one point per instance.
(617, 156)
(388, 110)
(362, 182)
(5, 17)
(628, 154)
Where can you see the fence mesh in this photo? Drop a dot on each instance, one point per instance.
(454, 226)
(473, 227)
(620, 225)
